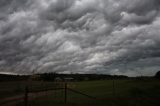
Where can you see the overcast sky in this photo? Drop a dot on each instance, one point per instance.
(80, 36)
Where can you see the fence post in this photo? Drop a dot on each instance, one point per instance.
(26, 96)
(65, 92)
(113, 87)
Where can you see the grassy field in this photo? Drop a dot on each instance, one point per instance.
(12, 88)
(126, 93)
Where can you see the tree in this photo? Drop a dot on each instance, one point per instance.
(158, 75)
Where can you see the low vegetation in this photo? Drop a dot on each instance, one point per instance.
(125, 93)
(140, 91)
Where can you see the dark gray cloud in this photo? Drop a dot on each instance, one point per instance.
(80, 36)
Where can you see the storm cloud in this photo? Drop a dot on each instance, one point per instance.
(80, 36)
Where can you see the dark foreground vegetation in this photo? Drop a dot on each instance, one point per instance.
(124, 93)
(107, 90)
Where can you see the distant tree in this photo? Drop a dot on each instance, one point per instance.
(158, 75)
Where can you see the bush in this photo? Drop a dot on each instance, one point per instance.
(158, 75)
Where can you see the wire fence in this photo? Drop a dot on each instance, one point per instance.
(31, 92)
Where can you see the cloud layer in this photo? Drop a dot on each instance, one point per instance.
(80, 36)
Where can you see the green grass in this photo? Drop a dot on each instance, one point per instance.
(127, 93)
(12, 88)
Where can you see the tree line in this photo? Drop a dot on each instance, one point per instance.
(73, 77)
